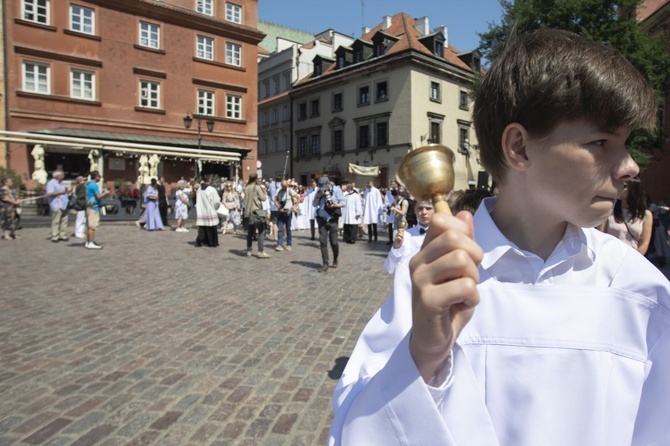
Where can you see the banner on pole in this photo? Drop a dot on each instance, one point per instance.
(368, 171)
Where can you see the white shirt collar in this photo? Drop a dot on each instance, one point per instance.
(496, 245)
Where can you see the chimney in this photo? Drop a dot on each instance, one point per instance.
(445, 33)
(387, 22)
(365, 31)
(422, 25)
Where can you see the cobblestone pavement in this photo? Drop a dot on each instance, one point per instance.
(154, 341)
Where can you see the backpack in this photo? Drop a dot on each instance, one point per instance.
(80, 197)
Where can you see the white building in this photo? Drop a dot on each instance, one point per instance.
(398, 87)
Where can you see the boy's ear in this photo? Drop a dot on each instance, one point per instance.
(514, 139)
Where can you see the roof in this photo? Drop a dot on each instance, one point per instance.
(144, 139)
(272, 31)
(404, 29)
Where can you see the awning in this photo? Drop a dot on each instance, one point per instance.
(128, 143)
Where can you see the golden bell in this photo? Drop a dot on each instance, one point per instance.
(428, 174)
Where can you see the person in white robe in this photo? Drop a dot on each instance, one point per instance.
(207, 220)
(524, 325)
(372, 206)
(408, 242)
(351, 214)
(309, 208)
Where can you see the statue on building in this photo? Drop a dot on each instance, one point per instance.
(94, 158)
(143, 176)
(153, 166)
(39, 174)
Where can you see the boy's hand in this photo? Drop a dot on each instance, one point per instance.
(399, 238)
(444, 293)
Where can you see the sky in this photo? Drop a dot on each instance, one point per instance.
(463, 18)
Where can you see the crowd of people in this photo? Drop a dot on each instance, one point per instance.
(289, 206)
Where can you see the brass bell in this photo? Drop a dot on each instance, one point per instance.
(428, 174)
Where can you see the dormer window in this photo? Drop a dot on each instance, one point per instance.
(340, 62)
(380, 48)
(317, 69)
(358, 55)
(439, 48)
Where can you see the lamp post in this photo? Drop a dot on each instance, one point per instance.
(188, 120)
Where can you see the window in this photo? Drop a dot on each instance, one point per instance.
(36, 78)
(266, 89)
(205, 48)
(275, 115)
(286, 143)
(287, 81)
(314, 108)
(82, 19)
(233, 107)
(435, 132)
(233, 13)
(462, 137)
(382, 91)
(265, 118)
(82, 85)
(276, 84)
(234, 54)
(364, 95)
(275, 144)
(337, 102)
(36, 11)
(205, 7)
(149, 94)
(286, 116)
(205, 103)
(149, 35)
(338, 140)
(302, 110)
(439, 48)
(382, 134)
(435, 91)
(463, 100)
(316, 144)
(302, 146)
(363, 136)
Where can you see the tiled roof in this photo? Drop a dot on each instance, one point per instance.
(404, 29)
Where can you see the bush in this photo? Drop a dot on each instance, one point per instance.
(6, 172)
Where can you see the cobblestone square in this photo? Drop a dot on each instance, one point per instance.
(154, 341)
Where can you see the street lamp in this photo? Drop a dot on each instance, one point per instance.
(188, 120)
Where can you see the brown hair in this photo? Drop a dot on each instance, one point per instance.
(550, 76)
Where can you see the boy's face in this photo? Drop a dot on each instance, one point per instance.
(577, 172)
(424, 213)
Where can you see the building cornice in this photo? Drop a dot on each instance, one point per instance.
(187, 18)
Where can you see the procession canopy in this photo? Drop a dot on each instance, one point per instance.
(367, 171)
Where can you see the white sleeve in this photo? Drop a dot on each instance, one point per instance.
(382, 399)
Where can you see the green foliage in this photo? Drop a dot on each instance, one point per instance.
(609, 21)
(6, 172)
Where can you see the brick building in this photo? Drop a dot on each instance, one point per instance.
(106, 84)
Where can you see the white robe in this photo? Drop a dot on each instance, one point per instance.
(353, 209)
(411, 244)
(571, 351)
(372, 205)
(207, 203)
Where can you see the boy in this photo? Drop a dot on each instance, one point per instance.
(544, 331)
(407, 242)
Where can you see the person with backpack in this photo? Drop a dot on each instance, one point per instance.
(80, 208)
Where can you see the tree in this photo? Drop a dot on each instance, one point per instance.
(609, 21)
